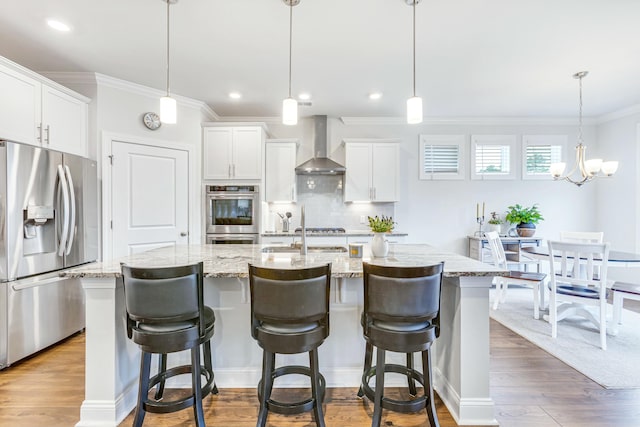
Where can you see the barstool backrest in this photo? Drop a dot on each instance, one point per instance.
(289, 297)
(165, 294)
(402, 295)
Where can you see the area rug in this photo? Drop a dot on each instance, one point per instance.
(578, 341)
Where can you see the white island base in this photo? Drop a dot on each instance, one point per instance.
(461, 353)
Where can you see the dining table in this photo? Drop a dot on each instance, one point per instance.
(616, 258)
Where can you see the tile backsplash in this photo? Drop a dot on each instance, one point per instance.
(323, 199)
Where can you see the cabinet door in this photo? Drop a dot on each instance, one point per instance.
(247, 153)
(280, 176)
(64, 121)
(385, 162)
(216, 153)
(358, 174)
(20, 107)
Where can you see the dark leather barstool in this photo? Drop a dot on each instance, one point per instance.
(166, 314)
(401, 314)
(290, 315)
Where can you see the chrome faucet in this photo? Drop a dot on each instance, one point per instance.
(303, 246)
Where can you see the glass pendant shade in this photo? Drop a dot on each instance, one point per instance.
(557, 169)
(168, 110)
(414, 110)
(609, 168)
(290, 111)
(593, 166)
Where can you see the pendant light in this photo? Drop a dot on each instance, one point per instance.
(168, 106)
(589, 169)
(290, 105)
(414, 104)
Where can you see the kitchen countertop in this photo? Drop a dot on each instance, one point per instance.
(232, 261)
(347, 233)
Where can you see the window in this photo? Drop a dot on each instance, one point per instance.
(492, 156)
(441, 157)
(538, 152)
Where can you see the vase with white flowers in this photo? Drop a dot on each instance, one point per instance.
(380, 226)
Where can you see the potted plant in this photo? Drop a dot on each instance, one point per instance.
(524, 218)
(495, 222)
(380, 226)
(384, 224)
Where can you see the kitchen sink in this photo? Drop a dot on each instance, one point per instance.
(310, 249)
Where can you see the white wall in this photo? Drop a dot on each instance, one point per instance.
(617, 198)
(442, 213)
(117, 107)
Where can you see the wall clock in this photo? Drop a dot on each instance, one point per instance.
(151, 120)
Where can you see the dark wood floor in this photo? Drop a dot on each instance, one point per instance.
(529, 387)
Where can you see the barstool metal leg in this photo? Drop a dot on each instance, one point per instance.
(196, 386)
(377, 401)
(368, 355)
(268, 363)
(143, 388)
(428, 385)
(316, 392)
(208, 364)
(410, 380)
(162, 367)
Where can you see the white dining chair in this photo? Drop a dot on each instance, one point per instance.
(534, 280)
(582, 236)
(577, 288)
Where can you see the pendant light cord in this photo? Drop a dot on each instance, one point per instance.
(290, 41)
(414, 47)
(168, 3)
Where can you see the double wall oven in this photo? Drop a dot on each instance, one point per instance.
(232, 214)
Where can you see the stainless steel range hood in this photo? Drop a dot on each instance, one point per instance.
(320, 164)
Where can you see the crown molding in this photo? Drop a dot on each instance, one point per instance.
(83, 78)
(269, 120)
(459, 121)
(615, 115)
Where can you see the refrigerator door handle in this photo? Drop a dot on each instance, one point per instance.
(65, 211)
(72, 219)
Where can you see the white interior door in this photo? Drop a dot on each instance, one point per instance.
(150, 197)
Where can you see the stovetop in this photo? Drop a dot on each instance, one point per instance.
(321, 230)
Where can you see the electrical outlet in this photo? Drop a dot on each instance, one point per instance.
(363, 219)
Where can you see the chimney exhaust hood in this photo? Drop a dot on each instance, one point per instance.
(320, 164)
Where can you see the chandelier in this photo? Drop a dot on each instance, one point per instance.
(589, 169)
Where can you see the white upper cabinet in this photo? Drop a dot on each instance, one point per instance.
(39, 112)
(232, 152)
(64, 122)
(280, 176)
(372, 170)
(20, 107)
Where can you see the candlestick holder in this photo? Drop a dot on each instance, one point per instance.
(480, 221)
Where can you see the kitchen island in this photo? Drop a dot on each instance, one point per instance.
(461, 353)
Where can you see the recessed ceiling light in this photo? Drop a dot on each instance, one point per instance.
(57, 25)
(375, 95)
(304, 96)
(235, 95)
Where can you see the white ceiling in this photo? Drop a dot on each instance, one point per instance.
(475, 58)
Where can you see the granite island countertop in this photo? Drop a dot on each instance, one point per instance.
(232, 261)
(347, 233)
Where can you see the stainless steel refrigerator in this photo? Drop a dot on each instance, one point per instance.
(48, 222)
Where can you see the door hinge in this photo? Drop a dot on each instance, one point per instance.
(111, 224)
(110, 159)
